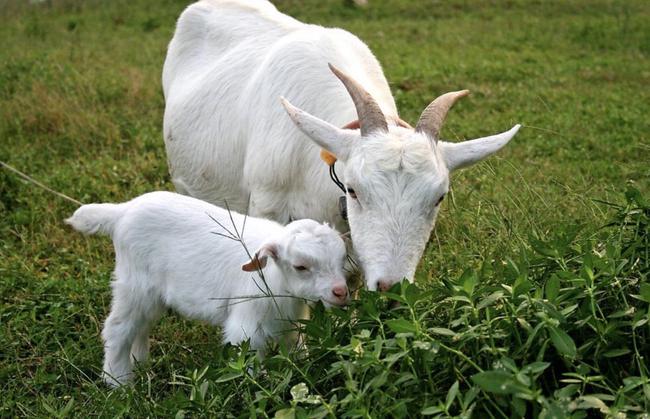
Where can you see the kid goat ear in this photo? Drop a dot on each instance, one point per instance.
(259, 260)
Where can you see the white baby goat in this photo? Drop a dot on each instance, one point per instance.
(173, 251)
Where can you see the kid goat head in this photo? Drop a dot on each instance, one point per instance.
(395, 177)
(310, 257)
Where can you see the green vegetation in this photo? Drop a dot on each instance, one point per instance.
(533, 295)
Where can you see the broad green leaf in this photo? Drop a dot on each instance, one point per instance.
(567, 391)
(470, 395)
(568, 310)
(523, 378)
(552, 288)
(555, 410)
(536, 367)
(299, 392)
(593, 402)
(497, 382)
(468, 281)
(621, 313)
(442, 331)
(616, 352)
(401, 326)
(644, 292)
(412, 293)
(520, 407)
(459, 298)
(633, 382)
(204, 389)
(542, 248)
(229, 376)
(562, 342)
(392, 358)
(521, 286)
(404, 378)
(423, 345)
(320, 412)
(289, 413)
(378, 381)
(489, 300)
(451, 394)
(370, 307)
(431, 410)
(509, 364)
(393, 296)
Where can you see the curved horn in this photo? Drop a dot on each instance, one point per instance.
(434, 115)
(371, 118)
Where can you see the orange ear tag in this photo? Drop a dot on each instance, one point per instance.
(327, 157)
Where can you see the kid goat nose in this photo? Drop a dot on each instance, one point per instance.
(340, 291)
(384, 285)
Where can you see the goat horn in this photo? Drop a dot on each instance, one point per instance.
(434, 115)
(371, 118)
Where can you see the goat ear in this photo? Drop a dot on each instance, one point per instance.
(459, 155)
(336, 141)
(259, 260)
(402, 123)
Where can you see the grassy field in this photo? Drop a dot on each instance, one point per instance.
(533, 294)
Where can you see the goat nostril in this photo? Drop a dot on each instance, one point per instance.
(383, 286)
(340, 292)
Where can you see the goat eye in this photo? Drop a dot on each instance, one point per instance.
(352, 194)
(300, 268)
(440, 200)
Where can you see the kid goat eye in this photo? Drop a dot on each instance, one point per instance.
(352, 194)
(300, 268)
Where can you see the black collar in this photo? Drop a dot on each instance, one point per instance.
(335, 178)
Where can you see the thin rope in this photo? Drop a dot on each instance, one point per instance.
(39, 184)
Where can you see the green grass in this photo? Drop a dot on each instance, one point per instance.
(532, 296)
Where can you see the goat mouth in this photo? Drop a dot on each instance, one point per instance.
(330, 303)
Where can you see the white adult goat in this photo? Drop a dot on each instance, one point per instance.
(168, 256)
(228, 139)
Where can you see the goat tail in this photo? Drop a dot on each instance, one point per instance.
(96, 218)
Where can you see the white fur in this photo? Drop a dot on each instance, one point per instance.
(167, 256)
(228, 138)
